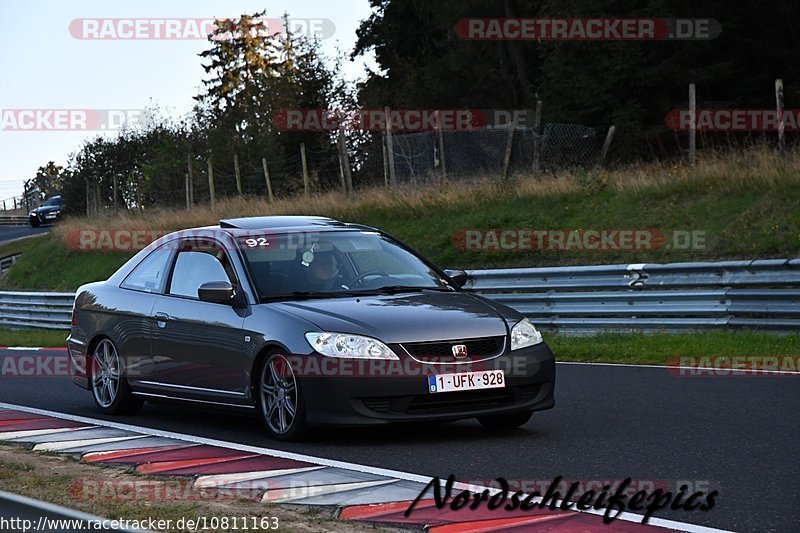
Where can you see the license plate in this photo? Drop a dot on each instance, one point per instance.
(489, 379)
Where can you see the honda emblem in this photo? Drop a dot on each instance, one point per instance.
(459, 350)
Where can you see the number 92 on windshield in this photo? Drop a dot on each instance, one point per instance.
(489, 379)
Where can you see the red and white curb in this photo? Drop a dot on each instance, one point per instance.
(361, 493)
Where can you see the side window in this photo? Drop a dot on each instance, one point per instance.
(197, 265)
(149, 275)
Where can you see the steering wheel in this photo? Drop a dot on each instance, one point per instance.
(360, 279)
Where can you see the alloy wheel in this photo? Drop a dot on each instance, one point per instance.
(105, 373)
(278, 394)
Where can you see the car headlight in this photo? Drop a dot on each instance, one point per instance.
(524, 334)
(349, 346)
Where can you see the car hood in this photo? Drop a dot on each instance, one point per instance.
(416, 317)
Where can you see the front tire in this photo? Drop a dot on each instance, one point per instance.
(108, 383)
(280, 400)
(505, 422)
(35, 222)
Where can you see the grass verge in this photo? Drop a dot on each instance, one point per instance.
(637, 349)
(658, 349)
(46, 338)
(64, 481)
(47, 265)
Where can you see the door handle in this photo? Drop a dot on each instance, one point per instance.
(161, 318)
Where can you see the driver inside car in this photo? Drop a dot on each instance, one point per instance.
(321, 274)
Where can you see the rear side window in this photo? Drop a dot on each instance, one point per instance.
(149, 275)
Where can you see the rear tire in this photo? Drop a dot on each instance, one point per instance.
(505, 422)
(108, 383)
(280, 400)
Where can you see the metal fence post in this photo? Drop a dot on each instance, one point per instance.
(692, 123)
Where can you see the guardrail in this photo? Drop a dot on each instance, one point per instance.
(762, 294)
(6, 262)
(47, 310)
(13, 220)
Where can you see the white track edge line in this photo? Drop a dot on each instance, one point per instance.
(628, 517)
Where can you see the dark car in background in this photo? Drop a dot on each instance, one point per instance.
(305, 321)
(50, 211)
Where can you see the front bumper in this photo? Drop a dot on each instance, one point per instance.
(44, 218)
(385, 397)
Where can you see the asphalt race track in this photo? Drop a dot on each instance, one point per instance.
(610, 422)
(10, 233)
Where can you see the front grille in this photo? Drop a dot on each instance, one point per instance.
(378, 404)
(443, 350)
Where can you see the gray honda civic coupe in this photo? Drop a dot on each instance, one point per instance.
(305, 321)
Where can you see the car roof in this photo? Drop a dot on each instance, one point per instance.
(280, 221)
(290, 223)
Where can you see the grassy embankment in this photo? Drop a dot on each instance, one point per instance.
(748, 205)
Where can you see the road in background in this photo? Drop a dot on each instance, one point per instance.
(10, 233)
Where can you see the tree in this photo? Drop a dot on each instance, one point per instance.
(632, 84)
(255, 74)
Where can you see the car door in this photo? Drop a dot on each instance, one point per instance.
(129, 322)
(198, 346)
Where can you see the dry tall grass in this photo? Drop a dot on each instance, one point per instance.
(758, 167)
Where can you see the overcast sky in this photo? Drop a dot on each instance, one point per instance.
(45, 67)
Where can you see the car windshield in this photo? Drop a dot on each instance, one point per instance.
(53, 201)
(333, 264)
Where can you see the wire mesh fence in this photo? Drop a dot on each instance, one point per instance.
(419, 158)
(490, 152)
(569, 145)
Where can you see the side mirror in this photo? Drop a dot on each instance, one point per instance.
(218, 292)
(459, 277)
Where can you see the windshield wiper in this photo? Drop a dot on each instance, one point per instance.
(395, 289)
(302, 295)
